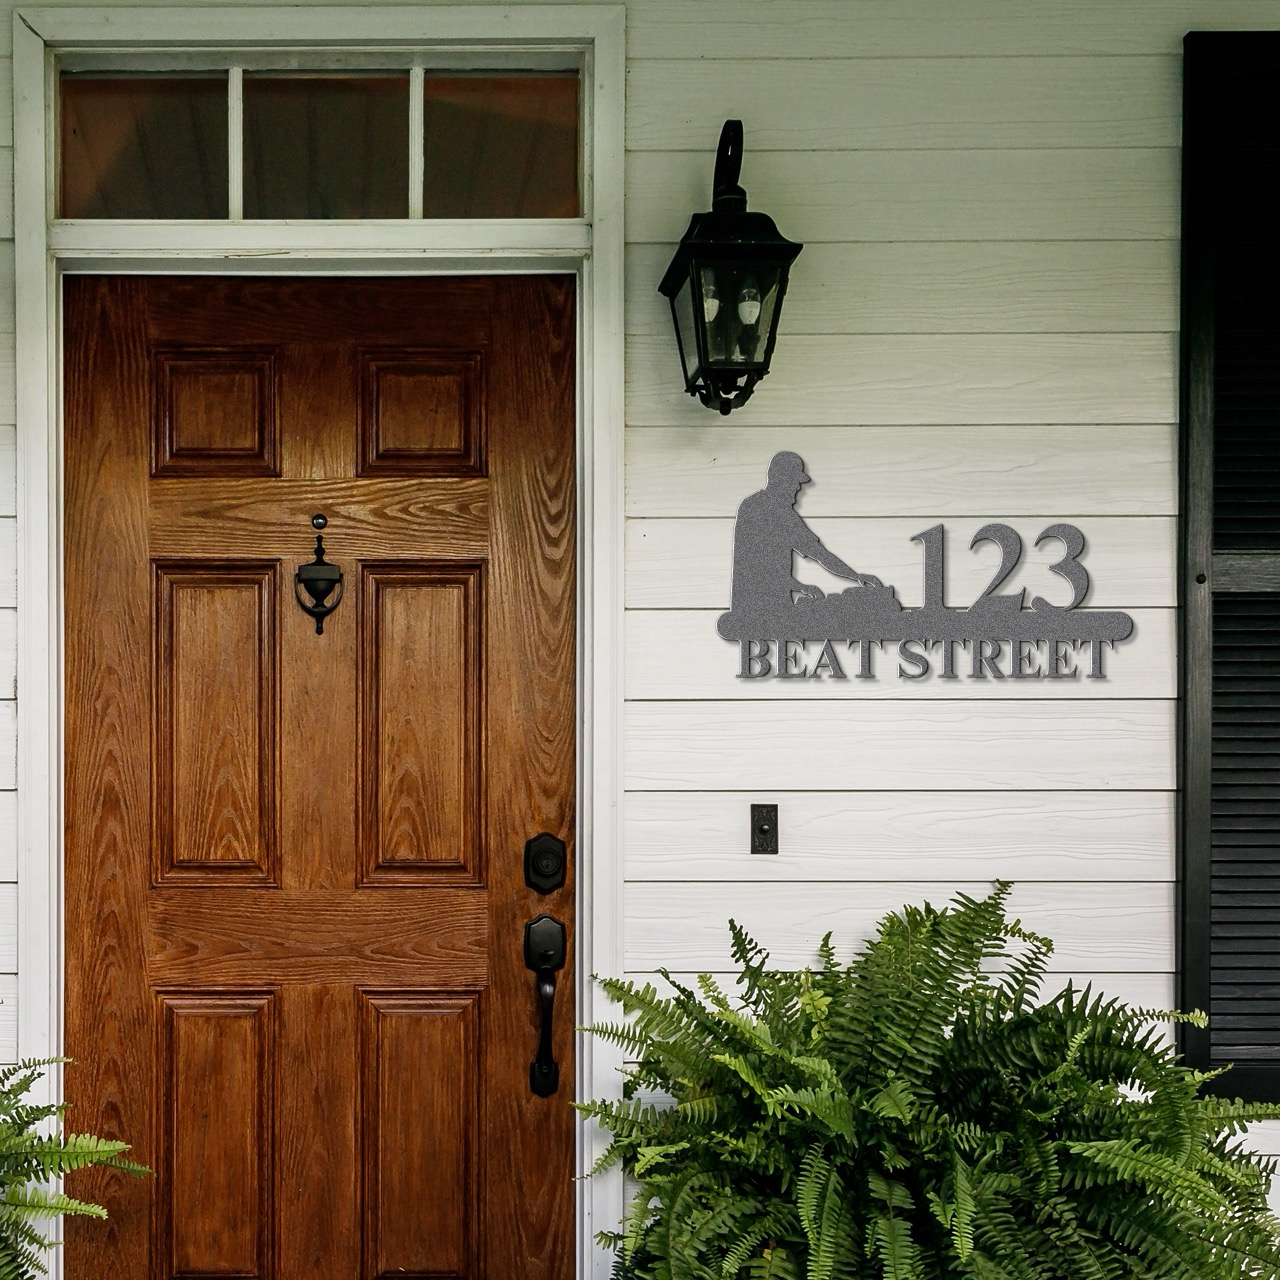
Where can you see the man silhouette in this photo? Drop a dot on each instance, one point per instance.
(768, 530)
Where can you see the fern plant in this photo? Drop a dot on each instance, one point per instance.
(31, 1158)
(922, 1114)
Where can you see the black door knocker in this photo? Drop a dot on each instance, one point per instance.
(319, 578)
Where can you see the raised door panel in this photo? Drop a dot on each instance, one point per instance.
(419, 1148)
(216, 1087)
(421, 695)
(216, 728)
(215, 411)
(422, 412)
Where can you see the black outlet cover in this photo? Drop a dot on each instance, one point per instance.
(764, 828)
(545, 863)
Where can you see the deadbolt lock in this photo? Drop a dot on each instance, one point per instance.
(545, 863)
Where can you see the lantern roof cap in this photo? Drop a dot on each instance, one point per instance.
(727, 232)
(727, 237)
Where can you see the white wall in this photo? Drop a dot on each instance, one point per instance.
(982, 326)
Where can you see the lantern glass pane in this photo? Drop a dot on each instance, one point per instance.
(682, 307)
(739, 304)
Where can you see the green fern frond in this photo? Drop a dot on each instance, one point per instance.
(923, 1113)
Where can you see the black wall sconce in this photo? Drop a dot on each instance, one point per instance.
(726, 285)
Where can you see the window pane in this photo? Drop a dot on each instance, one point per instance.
(501, 146)
(144, 147)
(326, 146)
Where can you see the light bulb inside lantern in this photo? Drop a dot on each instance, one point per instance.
(749, 304)
(710, 300)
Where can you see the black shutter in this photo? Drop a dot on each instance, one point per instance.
(1229, 955)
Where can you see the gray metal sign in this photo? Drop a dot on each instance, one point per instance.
(774, 616)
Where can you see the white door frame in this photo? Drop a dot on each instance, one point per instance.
(591, 247)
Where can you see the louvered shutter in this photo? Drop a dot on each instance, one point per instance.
(1230, 573)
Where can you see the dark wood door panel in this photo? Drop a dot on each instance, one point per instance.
(295, 898)
(384, 517)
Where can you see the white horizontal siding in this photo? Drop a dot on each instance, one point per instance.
(865, 29)
(686, 564)
(683, 926)
(983, 379)
(908, 746)
(868, 836)
(903, 104)
(849, 196)
(8, 563)
(1107, 286)
(937, 472)
(8, 837)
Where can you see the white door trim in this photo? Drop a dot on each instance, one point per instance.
(591, 247)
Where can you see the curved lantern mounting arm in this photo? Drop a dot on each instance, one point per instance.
(726, 193)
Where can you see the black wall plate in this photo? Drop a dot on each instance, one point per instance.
(764, 828)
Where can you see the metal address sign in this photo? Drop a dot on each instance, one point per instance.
(773, 615)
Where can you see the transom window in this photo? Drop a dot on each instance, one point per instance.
(241, 143)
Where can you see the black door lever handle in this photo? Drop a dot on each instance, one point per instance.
(544, 944)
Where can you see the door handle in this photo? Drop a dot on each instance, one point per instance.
(544, 955)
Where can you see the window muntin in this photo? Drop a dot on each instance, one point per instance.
(321, 143)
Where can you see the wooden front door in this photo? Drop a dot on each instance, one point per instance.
(295, 893)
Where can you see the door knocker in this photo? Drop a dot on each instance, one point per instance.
(319, 578)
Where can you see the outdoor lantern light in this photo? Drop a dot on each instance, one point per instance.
(726, 285)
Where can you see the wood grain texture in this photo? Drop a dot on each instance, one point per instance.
(829, 836)
(934, 29)
(935, 472)
(434, 938)
(675, 654)
(843, 196)
(420, 1118)
(422, 412)
(422, 778)
(686, 564)
(217, 728)
(981, 380)
(400, 517)
(215, 412)
(958, 287)
(531, 753)
(1104, 927)
(472, 744)
(860, 104)
(911, 746)
(217, 1134)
